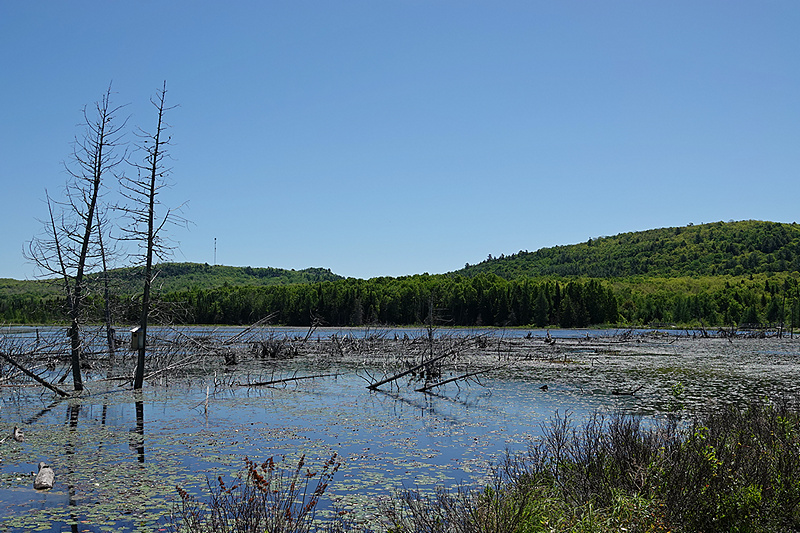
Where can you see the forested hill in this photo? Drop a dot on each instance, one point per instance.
(719, 248)
(182, 276)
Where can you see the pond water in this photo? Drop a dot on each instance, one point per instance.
(118, 456)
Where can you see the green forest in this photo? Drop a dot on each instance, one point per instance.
(716, 249)
(710, 275)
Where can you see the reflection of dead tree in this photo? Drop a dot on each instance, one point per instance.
(137, 441)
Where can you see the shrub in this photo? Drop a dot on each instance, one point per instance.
(726, 471)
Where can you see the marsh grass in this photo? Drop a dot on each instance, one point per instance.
(264, 497)
(732, 470)
(729, 470)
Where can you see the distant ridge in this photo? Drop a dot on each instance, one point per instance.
(719, 248)
(174, 277)
(182, 276)
(718, 274)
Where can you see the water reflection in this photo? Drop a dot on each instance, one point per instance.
(70, 447)
(137, 440)
(204, 427)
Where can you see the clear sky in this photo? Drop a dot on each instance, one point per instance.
(388, 138)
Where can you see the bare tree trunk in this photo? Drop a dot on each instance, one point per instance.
(148, 269)
(69, 249)
(142, 192)
(110, 336)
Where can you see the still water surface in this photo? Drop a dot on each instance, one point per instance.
(118, 456)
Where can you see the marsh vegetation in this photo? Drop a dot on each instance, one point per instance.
(215, 396)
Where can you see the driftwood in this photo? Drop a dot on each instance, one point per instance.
(619, 392)
(34, 376)
(375, 386)
(286, 380)
(266, 320)
(440, 383)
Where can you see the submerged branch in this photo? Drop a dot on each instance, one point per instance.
(411, 370)
(286, 380)
(34, 376)
(440, 383)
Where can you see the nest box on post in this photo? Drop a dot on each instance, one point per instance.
(137, 339)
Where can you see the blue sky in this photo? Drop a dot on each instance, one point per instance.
(387, 138)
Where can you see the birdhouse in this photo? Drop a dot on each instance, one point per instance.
(137, 339)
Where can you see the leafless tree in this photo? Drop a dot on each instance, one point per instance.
(109, 254)
(147, 227)
(69, 245)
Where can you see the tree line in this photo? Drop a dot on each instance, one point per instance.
(481, 300)
(484, 300)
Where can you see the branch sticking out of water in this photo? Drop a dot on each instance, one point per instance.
(287, 380)
(440, 383)
(34, 376)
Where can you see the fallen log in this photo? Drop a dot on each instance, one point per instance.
(286, 380)
(375, 386)
(440, 383)
(34, 376)
(619, 392)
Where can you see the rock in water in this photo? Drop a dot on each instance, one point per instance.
(45, 478)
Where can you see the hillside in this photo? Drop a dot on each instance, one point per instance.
(719, 248)
(174, 277)
(712, 274)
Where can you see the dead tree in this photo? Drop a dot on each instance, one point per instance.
(68, 247)
(394, 377)
(30, 374)
(468, 375)
(108, 252)
(146, 228)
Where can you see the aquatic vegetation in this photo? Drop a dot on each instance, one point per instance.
(118, 456)
(265, 497)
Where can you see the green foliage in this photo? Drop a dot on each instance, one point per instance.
(720, 248)
(710, 300)
(174, 277)
(712, 275)
(730, 470)
(42, 301)
(482, 300)
(486, 300)
(35, 302)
